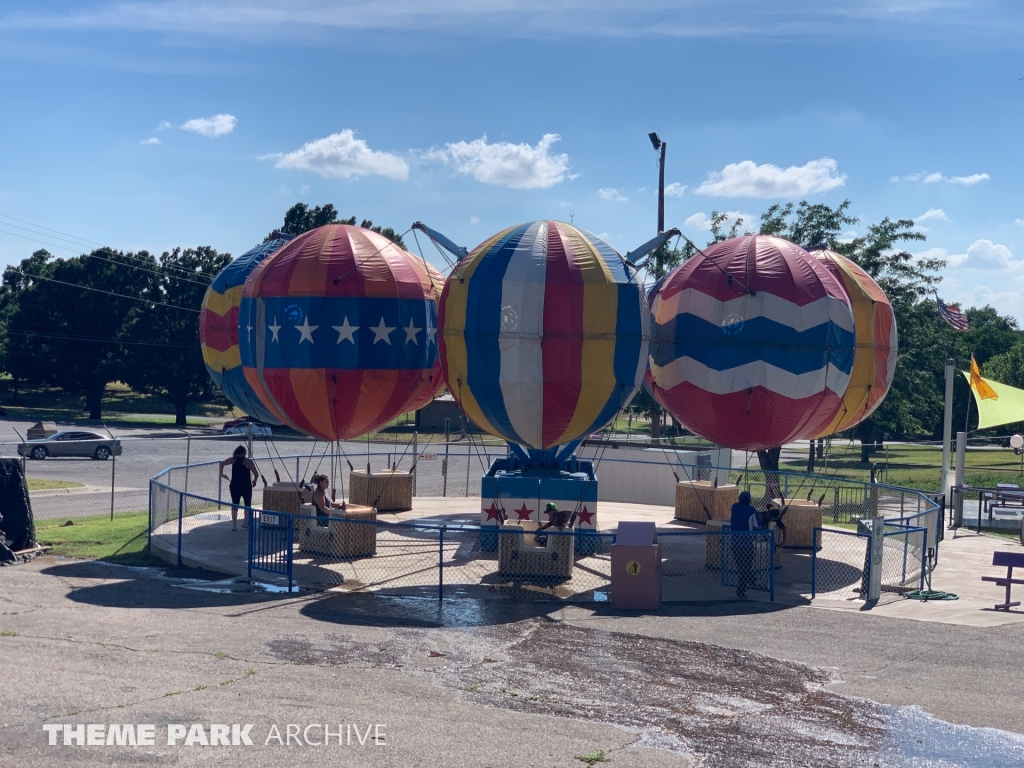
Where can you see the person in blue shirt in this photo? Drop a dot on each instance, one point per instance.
(744, 517)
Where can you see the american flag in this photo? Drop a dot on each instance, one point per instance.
(951, 314)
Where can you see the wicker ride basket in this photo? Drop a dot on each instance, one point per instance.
(388, 490)
(699, 501)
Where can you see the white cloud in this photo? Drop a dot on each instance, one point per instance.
(474, 219)
(936, 214)
(304, 189)
(1019, 221)
(748, 179)
(518, 166)
(342, 156)
(610, 193)
(151, 140)
(641, 189)
(284, 190)
(984, 254)
(675, 189)
(969, 181)
(702, 222)
(211, 127)
(936, 178)
(937, 253)
(164, 126)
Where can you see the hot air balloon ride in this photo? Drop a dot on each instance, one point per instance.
(340, 332)
(752, 343)
(544, 334)
(874, 361)
(218, 329)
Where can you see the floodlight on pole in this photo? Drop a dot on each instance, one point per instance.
(655, 140)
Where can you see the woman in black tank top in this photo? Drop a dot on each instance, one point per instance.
(243, 475)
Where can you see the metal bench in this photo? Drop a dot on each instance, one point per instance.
(1009, 560)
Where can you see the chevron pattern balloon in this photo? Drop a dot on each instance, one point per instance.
(544, 334)
(752, 344)
(874, 361)
(338, 332)
(218, 330)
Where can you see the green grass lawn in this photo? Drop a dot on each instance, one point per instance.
(38, 484)
(122, 540)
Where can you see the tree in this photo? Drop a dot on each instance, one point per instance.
(301, 218)
(166, 356)
(66, 318)
(1007, 367)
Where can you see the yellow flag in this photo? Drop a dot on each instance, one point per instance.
(979, 385)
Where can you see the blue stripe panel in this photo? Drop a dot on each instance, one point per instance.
(629, 337)
(234, 274)
(292, 351)
(758, 339)
(483, 324)
(612, 260)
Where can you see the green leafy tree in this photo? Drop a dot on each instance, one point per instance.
(166, 358)
(1007, 367)
(301, 218)
(66, 318)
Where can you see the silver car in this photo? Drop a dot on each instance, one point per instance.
(90, 445)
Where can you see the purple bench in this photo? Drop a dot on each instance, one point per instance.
(1009, 560)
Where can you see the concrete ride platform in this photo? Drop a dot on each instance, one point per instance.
(406, 563)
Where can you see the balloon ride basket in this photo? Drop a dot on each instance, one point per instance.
(521, 486)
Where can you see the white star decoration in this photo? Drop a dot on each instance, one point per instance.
(248, 333)
(431, 334)
(410, 332)
(274, 329)
(306, 331)
(345, 331)
(382, 332)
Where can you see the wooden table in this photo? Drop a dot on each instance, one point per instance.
(699, 500)
(388, 490)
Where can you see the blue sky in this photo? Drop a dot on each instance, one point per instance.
(151, 125)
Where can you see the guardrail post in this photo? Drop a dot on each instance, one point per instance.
(817, 533)
(291, 551)
(113, 470)
(250, 534)
(181, 509)
(440, 563)
(876, 546)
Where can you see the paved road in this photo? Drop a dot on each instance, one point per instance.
(487, 683)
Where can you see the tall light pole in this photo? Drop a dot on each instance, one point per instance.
(658, 144)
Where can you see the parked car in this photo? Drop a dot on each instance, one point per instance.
(242, 429)
(91, 445)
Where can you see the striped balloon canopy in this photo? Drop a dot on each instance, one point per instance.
(874, 360)
(339, 332)
(544, 333)
(752, 344)
(218, 330)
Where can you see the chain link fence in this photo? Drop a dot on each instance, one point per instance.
(988, 508)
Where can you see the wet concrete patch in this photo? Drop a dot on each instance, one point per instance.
(721, 706)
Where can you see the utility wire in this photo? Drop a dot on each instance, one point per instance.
(93, 255)
(98, 290)
(67, 337)
(183, 270)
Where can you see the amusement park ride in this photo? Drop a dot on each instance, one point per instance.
(543, 334)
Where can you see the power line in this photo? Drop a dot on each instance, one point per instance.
(69, 337)
(182, 270)
(98, 290)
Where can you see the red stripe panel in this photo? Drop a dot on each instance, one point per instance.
(218, 332)
(562, 347)
(335, 404)
(769, 421)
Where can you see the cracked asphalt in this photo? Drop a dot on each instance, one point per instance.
(472, 683)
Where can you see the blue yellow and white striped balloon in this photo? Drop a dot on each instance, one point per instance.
(544, 332)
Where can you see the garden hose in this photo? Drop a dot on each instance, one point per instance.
(930, 594)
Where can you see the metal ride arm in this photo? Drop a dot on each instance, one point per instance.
(649, 247)
(458, 251)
